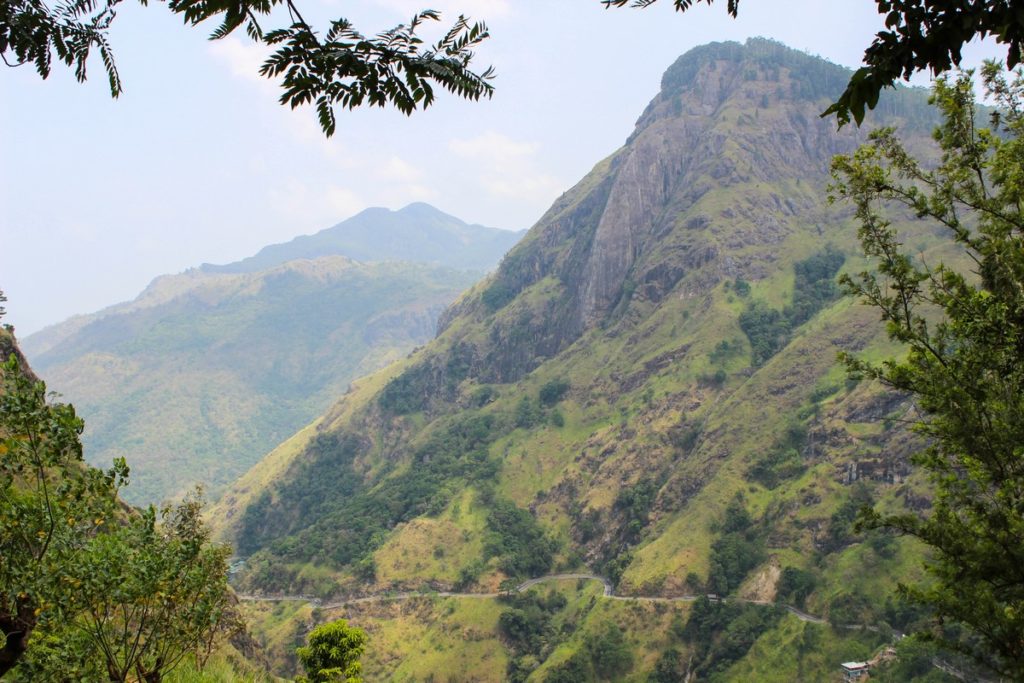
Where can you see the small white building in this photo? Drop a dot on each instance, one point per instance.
(854, 671)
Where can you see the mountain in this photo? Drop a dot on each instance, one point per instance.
(418, 233)
(206, 371)
(646, 390)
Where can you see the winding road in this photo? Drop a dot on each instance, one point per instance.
(609, 592)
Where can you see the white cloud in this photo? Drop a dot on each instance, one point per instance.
(507, 168)
(343, 202)
(308, 207)
(400, 181)
(493, 145)
(397, 170)
(527, 187)
(419, 193)
(243, 59)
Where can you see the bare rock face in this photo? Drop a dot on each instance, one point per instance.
(715, 129)
(643, 182)
(726, 162)
(9, 347)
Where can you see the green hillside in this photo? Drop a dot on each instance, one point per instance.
(647, 390)
(198, 378)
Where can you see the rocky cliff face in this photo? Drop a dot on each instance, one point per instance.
(9, 347)
(727, 161)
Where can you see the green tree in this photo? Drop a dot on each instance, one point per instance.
(338, 66)
(87, 587)
(610, 654)
(962, 324)
(156, 591)
(919, 35)
(332, 653)
(51, 505)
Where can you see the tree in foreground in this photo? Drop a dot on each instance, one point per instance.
(332, 654)
(51, 506)
(337, 66)
(962, 323)
(156, 591)
(90, 589)
(919, 35)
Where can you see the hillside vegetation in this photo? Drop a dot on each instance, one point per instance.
(205, 372)
(647, 389)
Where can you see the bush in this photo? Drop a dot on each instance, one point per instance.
(722, 633)
(573, 670)
(669, 667)
(635, 503)
(767, 329)
(497, 295)
(333, 653)
(796, 584)
(814, 287)
(610, 654)
(527, 413)
(736, 552)
(552, 392)
(406, 393)
(516, 537)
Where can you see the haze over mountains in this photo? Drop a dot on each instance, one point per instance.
(418, 233)
(206, 371)
(645, 389)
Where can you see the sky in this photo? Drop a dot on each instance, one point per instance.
(196, 162)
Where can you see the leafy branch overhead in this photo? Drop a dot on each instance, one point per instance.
(339, 67)
(919, 35)
(963, 324)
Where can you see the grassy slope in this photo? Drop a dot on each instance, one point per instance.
(200, 384)
(612, 438)
(637, 383)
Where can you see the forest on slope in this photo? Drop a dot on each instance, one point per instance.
(646, 388)
(206, 371)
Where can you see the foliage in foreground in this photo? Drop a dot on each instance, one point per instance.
(919, 35)
(88, 589)
(339, 66)
(50, 508)
(964, 367)
(332, 654)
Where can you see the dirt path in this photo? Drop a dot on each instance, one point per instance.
(524, 586)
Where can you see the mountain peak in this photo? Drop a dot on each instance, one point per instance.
(704, 78)
(417, 232)
(721, 168)
(762, 51)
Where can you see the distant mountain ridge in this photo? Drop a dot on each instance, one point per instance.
(419, 232)
(207, 370)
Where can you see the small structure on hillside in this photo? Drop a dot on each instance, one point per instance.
(854, 671)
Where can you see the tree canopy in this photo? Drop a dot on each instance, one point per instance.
(962, 323)
(90, 589)
(919, 35)
(332, 653)
(336, 67)
(51, 506)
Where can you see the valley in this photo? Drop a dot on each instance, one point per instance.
(652, 439)
(207, 370)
